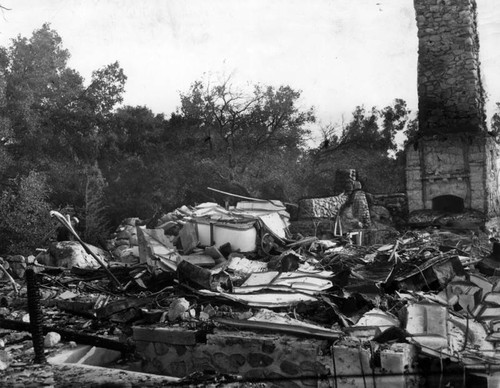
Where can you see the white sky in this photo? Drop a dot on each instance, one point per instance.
(340, 53)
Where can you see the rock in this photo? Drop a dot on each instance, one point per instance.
(245, 315)
(360, 208)
(381, 214)
(51, 339)
(203, 316)
(327, 207)
(356, 185)
(349, 222)
(190, 314)
(209, 310)
(70, 254)
(177, 308)
(4, 360)
(17, 266)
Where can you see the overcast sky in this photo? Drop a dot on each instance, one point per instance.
(340, 53)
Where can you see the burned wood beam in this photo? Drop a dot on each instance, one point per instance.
(281, 328)
(70, 335)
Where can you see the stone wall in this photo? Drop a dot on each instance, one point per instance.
(491, 175)
(253, 356)
(467, 168)
(396, 203)
(275, 360)
(453, 156)
(317, 215)
(451, 96)
(344, 180)
(326, 208)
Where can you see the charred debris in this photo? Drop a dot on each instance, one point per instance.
(402, 302)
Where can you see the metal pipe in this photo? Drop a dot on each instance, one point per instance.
(35, 314)
(65, 223)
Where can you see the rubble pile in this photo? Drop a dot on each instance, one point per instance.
(397, 308)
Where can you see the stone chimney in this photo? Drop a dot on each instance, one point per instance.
(453, 164)
(451, 96)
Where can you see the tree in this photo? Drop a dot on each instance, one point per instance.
(35, 73)
(375, 129)
(495, 121)
(106, 88)
(95, 223)
(5, 125)
(368, 144)
(137, 163)
(24, 214)
(52, 114)
(133, 130)
(238, 129)
(50, 121)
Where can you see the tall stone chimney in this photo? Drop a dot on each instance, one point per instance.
(450, 92)
(453, 164)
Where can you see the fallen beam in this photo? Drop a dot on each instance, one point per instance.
(309, 332)
(69, 335)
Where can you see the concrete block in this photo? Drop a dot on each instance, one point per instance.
(363, 332)
(469, 295)
(99, 357)
(173, 336)
(427, 318)
(69, 356)
(398, 359)
(351, 360)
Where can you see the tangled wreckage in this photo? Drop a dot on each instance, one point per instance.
(242, 296)
(237, 296)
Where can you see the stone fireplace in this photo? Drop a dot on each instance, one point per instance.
(453, 163)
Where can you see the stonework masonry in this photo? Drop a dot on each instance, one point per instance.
(453, 157)
(451, 96)
(467, 169)
(326, 208)
(280, 360)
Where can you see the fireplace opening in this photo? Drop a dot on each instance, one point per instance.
(448, 203)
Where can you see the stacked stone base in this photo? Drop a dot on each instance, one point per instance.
(273, 360)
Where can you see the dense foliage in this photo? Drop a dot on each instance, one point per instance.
(369, 144)
(65, 141)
